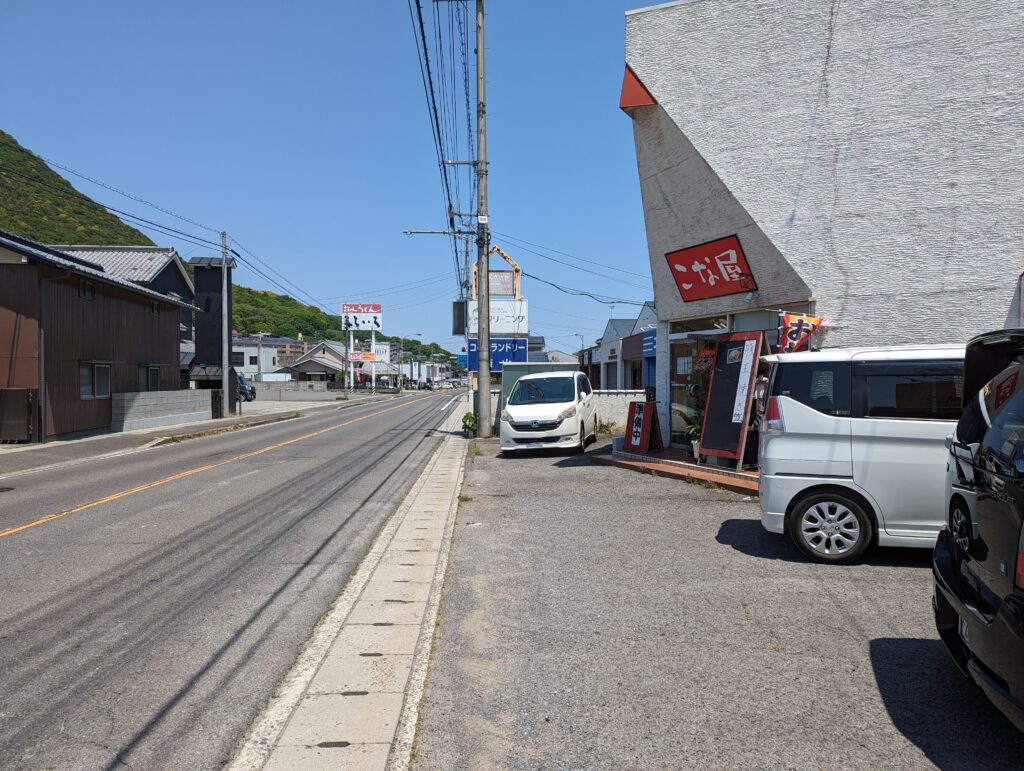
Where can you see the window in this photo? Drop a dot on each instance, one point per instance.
(823, 386)
(921, 390)
(237, 359)
(1002, 449)
(86, 289)
(544, 390)
(252, 361)
(94, 381)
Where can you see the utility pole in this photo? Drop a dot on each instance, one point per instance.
(225, 326)
(483, 238)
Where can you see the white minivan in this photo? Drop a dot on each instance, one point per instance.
(549, 409)
(853, 446)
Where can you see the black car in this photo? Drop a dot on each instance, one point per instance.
(246, 390)
(978, 563)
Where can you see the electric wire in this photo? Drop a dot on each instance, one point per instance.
(570, 256)
(581, 269)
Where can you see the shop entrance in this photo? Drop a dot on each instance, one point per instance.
(692, 363)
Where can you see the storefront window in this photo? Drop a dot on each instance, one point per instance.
(699, 325)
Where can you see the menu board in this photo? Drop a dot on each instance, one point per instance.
(727, 412)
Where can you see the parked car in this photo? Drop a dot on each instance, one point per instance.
(978, 562)
(549, 409)
(852, 447)
(246, 390)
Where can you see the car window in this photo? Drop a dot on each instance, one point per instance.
(543, 390)
(922, 390)
(1002, 449)
(823, 386)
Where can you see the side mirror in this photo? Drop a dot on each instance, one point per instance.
(949, 441)
(760, 390)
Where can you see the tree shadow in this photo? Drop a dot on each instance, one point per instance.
(935, 707)
(749, 537)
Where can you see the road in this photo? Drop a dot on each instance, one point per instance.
(151, 603)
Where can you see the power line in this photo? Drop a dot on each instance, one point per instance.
(583, 270)
(603, 299)
(570, 256)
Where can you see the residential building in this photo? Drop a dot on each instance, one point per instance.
(72, 334)
(609, 353)
(857, 162)
(155, 267)
(253, 359)
(325, 361)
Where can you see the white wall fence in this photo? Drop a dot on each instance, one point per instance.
(290, 385)
(613, 406)
(151, 409)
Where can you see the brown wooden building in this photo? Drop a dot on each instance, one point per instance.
(100, 334)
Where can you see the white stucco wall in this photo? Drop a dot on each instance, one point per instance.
(613, 406)
(877, 147)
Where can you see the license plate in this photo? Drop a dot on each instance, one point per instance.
(965, 634)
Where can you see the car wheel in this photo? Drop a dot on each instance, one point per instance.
(960, 527)
(830, 527)
(583, 439)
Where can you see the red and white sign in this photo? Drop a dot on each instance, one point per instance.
(362, 316)
(358, 356)
(714, 269)
(643, 433)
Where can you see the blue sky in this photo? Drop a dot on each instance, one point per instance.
(302, 129)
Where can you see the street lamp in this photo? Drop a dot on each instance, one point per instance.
(401, 351)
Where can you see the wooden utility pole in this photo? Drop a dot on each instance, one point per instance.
(485, 416)
(225, 327)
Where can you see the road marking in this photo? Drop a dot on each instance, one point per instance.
(449, 404)
(198, 470)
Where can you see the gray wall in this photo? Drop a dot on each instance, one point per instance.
(870, 152)
(151, 409)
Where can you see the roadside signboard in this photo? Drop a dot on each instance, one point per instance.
(508, 317)
(358, 356)
(502, 350)
(362, 317)
(643, 432)
(462, 359)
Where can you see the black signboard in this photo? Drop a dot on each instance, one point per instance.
(727, 412)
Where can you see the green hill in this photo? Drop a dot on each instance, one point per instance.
(38, 203)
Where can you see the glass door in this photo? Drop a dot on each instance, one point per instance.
(689, 378)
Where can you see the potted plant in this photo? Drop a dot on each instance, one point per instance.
(469, 424)
(694, 430)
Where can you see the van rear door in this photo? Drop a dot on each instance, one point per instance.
(814, 399)
(903, 412)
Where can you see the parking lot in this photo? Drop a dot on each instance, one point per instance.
(594, 617)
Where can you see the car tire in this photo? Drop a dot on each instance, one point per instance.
(830, 527)
(583, 439)
(959, 524)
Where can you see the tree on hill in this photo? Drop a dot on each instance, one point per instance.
(39, 204)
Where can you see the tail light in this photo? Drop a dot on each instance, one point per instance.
(773, 420)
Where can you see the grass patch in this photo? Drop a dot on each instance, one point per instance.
(465, 498)
(475, 449)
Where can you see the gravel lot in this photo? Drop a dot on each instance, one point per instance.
(594, 618)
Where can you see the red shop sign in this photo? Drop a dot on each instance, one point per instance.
(713, 269)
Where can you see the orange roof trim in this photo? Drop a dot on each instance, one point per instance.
(634, 93)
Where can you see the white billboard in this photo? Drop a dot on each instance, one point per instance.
(362, 316)
(508, 317)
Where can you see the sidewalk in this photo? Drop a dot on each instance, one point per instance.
(18, 458)
(351, 699)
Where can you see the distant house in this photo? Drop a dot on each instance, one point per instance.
(72, 334)
(324, 361)
(154, 267)
(609, 354)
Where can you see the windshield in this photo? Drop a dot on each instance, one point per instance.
(543, 390)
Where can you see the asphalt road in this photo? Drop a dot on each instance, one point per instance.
(148, 629)
(593, 617)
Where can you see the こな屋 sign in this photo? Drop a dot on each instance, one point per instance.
(714, 269)
(362, 316)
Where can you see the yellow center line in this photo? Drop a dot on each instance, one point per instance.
(197, 470)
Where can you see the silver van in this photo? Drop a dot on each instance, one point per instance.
(853, 446)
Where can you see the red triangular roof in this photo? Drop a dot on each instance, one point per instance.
(634, 93)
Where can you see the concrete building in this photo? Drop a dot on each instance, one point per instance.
(858, 161)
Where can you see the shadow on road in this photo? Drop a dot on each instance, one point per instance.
(935, 708)
(750, 538)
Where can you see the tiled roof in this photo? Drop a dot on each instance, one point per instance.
(49, 255)
(140, 264)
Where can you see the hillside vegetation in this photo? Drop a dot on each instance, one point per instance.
(39, 204)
